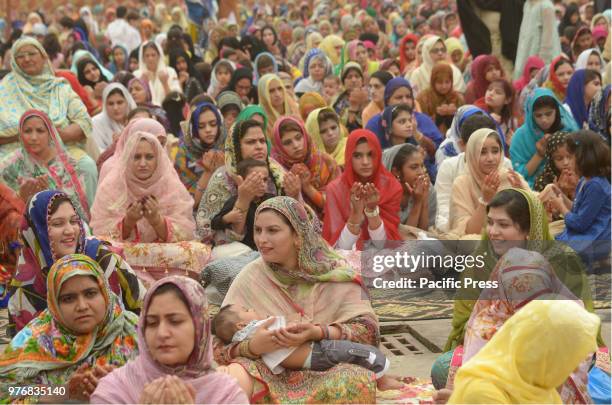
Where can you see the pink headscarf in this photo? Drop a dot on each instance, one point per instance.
(533, 62)
(120, 188)
(125, 385)
(147, 125)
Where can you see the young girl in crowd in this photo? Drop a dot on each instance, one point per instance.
(440, 101)
(327, 133)
(117, 104)
(376, 88)
(559, 75)
(485, 69)
(587, 218)
(418, 205)
(590, 59)
(152, 68)
(583, 86)
(220, 77)
(498, 101)
(544, 115)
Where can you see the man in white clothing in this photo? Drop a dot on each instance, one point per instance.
(120, 32)
(454, 166)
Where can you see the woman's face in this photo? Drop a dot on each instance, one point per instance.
(401, 29)
(253, 144)
(590, 89)
(574, 18)
(81, 304)
(443, 85)
(503, 232)
(64, 229)
(118, 57)
(151, 58)
(268, 37)
(169, 330)
(490, 155)
(330, 134)
(413, 168)
(208, 128)
(402, 95)
(316, 69)
(293, 144)
(594, 62)
(223, 76)
(544, 117)
(438, 52)
(243, 88)
(361, 55)
(410, 50)
(264, 70)
(377, 90)
(229, 116)
(138, 92)
(277, 95)
(144, 161)
(495, 96)
(403, 126)
(133, 64)
(92, 73)
(492, 73)
(276, 241)
(117, 107)
(601, 22)
(35, 136)
(456, 56)
(324, 30)
(30, 60)
(363, 161)
(585, 41)
(564, 74)
(181, 65)
(564, 160)
(353, 80)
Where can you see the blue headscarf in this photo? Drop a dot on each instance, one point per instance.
(255, 64)
(575, 97)
(191, 140)
(394, 84)
(37, 217)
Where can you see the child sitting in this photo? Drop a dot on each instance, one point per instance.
(238, 214)
(235, 324)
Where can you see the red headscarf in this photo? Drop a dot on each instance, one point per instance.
(478, 86)
(402, 49)
(337, 204)
(557, 86)
(533, 62)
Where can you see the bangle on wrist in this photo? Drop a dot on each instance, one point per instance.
(483, 202)
(371, 213)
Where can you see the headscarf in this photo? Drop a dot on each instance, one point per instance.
(533, 62)
(472, 157)
(599, 119)
(157, 90)
(421, 76)
(148, 125)
(317, 261)
(178, 17)
(263, 89)
(523, 143)
(121, 187)
(337, 205)
(215, 87)
(104, 127)
(575, 97)
(250, 110)
(310, 101)
(583, 59)
(113, 65)
(258, 60)
(12, 208)
(404, 63)
(175, 54)
(44, 92)
(307, 83)
(329, 45)
(144, 85)
(530, 356)
(229, 98)
(553, 82)
(53, 350)
(580, 32)
(126, 384)
(453, 44)
(312, 127)
(479, 83)
(550, 172)
(80, 60)
(62, 176)
(239, 74)
(454, 132)
(429, 99)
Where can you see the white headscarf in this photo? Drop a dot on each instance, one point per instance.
(104, 127)
(583, 59)
(158, 92)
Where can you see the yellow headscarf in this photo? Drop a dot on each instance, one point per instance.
(312, 127)
(530, 356)
(263, 91)
(329, 44)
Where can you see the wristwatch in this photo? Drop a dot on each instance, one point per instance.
(373, 213)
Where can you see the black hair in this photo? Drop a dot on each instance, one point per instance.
(116, 91)
(245, 165)
(561, 62)
(52, 46)
(81, 66)
(201, 98)
(592, 153)
(152, 45)
(223, 325)
(173, 105)
(590, 75)
(263, 62)
(349, 70)
(473, 123)
(138, 110)
(124, 77)
(328, 114)
(240, 130)
(516, 206)
(383, 76)
(66, 22)
(171, 288)
(57, 201)
(403, 155)
(281, 216)
(551, 102)
(121, 11)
